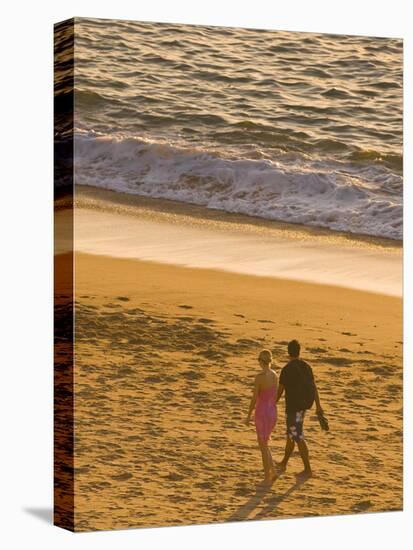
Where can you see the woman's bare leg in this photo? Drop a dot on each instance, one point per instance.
(264, 454)
(271, 463)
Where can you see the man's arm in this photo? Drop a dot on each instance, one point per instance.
(316, 394)
(317, 399)
(279, 392)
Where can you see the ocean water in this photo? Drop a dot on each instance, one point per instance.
(298, 127)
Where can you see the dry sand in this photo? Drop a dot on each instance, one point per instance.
(165, 359)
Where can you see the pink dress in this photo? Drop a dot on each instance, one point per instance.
(265, 413)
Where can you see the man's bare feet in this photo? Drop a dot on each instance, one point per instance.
(305, 474)
(281, 466)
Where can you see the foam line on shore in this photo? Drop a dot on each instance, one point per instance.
(217, 245)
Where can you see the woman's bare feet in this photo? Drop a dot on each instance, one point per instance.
(267, 481)
(273, 471)
(270, 476)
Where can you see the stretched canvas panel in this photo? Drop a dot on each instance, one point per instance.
(220, 195)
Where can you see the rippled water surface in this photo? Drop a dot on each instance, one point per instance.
(298, 127)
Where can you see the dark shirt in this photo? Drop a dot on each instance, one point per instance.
(291, 378)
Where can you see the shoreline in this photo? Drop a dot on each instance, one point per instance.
(87, 196)
(179, 234)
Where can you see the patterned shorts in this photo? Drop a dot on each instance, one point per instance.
(295, 421)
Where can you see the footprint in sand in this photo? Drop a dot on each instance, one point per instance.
(204, 485)
(123, 298)
(243, 490)
(175, 477)
(394, 388)
(184, 306)
(193, 375)
(134, 437)
(247, 342)
(124, 371)
(338, 361)
(122, 477)
(153, 379)
(383, 370)
(179, 498)
(361, 506)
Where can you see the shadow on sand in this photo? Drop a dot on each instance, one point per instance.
(243, 513)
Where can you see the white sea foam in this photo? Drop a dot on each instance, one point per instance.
(366, 200)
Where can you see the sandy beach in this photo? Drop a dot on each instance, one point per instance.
(166, 356)
(221, 190)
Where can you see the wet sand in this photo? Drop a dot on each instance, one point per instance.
(165, 359)
(187, 235)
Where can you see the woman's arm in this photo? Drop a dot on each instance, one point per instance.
(253, 401)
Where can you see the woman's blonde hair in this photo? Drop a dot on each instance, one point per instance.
(265, 356)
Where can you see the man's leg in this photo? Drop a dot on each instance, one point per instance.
(289, 447)
(302, 447)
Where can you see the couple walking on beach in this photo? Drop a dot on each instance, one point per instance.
(297, 383)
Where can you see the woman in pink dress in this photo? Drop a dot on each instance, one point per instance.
(263, 400)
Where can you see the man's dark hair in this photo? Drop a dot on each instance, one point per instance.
(294, 348)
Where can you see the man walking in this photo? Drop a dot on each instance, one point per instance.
(297, 381)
